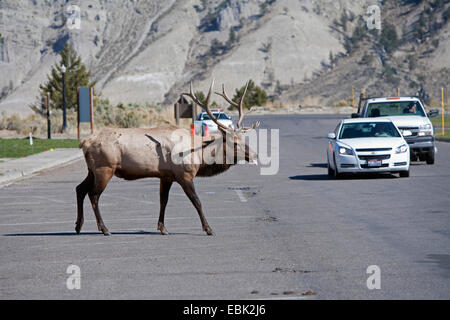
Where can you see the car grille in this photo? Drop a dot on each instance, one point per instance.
(365, 166)
(414, 130)
(373, 149)
(381, 156)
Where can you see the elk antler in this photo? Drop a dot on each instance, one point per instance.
(239, 106)
(206, 105)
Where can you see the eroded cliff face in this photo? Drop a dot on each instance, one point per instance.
(148, 51)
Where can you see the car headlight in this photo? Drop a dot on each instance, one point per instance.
(345, 151)
(425, 130)
(401, 149)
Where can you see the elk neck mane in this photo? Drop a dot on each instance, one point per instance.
(209, 170)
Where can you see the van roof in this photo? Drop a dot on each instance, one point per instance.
(390, 99)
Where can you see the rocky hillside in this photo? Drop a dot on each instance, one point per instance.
(299, 51)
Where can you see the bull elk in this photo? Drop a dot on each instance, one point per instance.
(143, 153)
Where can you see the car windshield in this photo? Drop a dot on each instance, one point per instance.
(222, 116)
(368, 130)
(395, 108)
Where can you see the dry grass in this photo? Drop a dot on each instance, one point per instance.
(105, 115)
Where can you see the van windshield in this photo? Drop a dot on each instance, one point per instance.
(395, 108)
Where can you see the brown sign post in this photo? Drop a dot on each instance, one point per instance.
(184, 109)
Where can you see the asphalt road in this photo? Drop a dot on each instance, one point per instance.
(293, 235)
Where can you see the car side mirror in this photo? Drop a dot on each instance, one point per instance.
(433, 113)
(331, 135)
(406, 133)
(355, 115)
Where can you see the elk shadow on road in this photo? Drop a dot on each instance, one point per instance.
(58, 234)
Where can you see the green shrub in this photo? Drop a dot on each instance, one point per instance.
(255, 96)
(389, 39)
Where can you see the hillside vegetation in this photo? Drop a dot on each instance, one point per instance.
(301, 52)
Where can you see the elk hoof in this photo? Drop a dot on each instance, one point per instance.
(78, 228)
(104, 230)
(208, 231)
(163, 230)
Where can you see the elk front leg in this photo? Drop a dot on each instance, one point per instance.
(164, 189)
(188, 187)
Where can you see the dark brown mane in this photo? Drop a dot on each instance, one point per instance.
(209, 170)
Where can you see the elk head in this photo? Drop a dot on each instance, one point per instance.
(233, 139)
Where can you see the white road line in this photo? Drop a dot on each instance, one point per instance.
(241, 195)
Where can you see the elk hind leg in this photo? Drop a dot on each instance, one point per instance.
(101, 179)
(81, 190)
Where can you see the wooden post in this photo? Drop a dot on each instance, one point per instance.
(398, 92)
(353, 98)
(49, 126)
(194, 111)
(442, 110)
(177, 113)
(92, 109)
(78, 115)
(448, 124)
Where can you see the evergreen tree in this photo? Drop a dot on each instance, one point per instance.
(76, 76)
(255, 96)
(389, 39)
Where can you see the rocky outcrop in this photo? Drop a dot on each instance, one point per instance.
(148, 51)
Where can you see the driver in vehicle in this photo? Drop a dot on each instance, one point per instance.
(411, 108)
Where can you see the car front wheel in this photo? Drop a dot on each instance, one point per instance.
(330, 170)
(337, 175)
(430, 157)
(404, 174)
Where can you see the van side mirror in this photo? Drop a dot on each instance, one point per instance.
(433, 113)
(355, 115)
(406, 133)
(331, 135)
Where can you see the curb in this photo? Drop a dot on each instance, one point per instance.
(443, 139)
(17, 174)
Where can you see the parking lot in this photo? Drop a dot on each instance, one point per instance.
(294, 235)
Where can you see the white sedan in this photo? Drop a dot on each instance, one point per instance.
(367, 145)
(204, 120)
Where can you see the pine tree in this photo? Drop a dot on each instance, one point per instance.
(255, 96)
(76, 76)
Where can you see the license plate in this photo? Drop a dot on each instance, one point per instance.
(374, 163)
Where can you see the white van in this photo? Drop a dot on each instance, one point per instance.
(407, 113)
